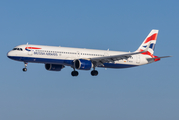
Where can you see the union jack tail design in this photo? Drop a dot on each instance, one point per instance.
(150, 39)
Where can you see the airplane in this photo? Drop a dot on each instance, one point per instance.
(56, 58)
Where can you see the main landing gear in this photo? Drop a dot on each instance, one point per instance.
(94, 72)
(74, 73)
(25, 69)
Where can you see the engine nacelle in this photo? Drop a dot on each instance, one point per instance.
(53, 67)
(82, 64)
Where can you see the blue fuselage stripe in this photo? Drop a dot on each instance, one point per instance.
(64, 62)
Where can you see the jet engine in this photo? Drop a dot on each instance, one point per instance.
(82, 64)
(53, 67)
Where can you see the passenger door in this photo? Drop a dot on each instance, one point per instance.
(78, 54)
(138, 59)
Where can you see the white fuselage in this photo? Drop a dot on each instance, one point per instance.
(66, 55)
(56, 58)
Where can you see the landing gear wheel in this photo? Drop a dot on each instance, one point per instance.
(24, 69)
(94, 72)
(74, 73)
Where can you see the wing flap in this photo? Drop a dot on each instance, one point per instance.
(106, 59)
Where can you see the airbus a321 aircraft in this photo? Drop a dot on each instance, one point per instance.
(56, 58)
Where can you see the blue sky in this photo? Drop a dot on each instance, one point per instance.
(145, 92)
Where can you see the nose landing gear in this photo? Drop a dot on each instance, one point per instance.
(25, 69)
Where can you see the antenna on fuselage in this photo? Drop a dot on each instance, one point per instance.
(27, 44)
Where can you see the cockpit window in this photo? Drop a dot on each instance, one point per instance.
(14, 49)
(20, 49)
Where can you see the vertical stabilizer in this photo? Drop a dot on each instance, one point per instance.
(150, 39)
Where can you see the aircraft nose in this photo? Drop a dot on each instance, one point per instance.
(9, 54)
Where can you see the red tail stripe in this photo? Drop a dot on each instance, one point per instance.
(152, 37)
(147, 53)
(157, 59)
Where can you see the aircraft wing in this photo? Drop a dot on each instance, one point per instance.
(100, 60)
(106, 59)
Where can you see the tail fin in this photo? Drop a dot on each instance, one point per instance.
(150, 39)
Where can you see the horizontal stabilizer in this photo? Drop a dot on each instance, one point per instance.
(158, 57)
